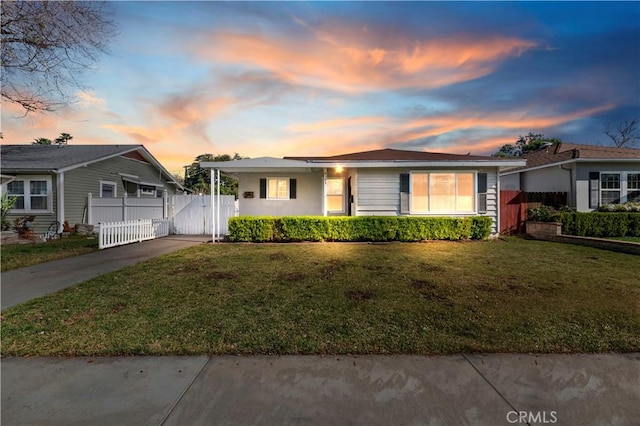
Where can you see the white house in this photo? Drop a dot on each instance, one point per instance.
(382, 182)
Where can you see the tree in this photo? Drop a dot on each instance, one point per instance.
(41, 141)
(46, 45)
(625, 133)
(63, 138)
(529, 143)
(198, 179)
(60, 140)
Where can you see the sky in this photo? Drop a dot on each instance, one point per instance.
(324, 78)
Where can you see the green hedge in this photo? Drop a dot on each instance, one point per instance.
(363, 228)
(598, 224)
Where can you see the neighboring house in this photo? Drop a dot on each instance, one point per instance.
(52, 182)
(590, 175)
(382, 182)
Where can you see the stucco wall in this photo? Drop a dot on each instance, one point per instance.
(549, 179)
(308, 199)
(510, 182)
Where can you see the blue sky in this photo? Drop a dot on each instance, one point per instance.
(323, 78)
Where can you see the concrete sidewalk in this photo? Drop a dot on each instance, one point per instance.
(25, 284)
(332, 390)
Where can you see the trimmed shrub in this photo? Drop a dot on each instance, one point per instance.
(362, 228)
(251, 229)
(481, 227)
(599, 224)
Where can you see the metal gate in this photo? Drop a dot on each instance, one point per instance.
(193, 215)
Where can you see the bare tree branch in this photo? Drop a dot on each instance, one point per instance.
(625, 133)
(46, 45)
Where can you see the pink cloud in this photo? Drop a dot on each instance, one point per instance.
(355, 61)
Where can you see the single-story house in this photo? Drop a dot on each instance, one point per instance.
(382, 182)
(52, 182)
(590, 175)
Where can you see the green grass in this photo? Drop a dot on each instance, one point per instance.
(341, 298)
(16, 256)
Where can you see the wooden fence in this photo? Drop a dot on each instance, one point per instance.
(514, 206)
(113, 234)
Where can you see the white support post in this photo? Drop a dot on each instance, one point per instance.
(213, 207)
(218, 206)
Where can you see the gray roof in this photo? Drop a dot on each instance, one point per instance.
(41, 158)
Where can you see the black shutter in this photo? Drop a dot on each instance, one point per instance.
(482, 192)
(404, 193)
(404, 182)
(263, 188)
(292, 188)
(594, 190)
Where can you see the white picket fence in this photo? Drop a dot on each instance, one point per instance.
(113, 234)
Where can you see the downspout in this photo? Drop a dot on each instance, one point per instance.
(60, 197)
(324, 192)
(497, 199)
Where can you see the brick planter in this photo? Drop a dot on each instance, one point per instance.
(543, 229)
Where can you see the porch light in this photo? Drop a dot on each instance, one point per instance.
(339, 169)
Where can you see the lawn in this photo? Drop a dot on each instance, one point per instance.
(510, 295)
(16, 256)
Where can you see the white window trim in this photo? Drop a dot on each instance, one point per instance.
(343, 194)
(27, 194)
(624, 187)
(288, 179)
(444, 213)
(108, 182)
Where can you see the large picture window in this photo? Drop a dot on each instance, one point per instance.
(32, 195)
(440, 192)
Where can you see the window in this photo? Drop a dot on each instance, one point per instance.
(335, 195)
(278, 188)
(618, 187)
(610, 189)
(147, 190)
(439, 192)
(32, 195)
(107, 189)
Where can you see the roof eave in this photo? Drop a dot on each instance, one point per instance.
(572, 160)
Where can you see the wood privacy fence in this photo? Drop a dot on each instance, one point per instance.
(193, 214)
(514, 206)
(113, 234)
(123, 209)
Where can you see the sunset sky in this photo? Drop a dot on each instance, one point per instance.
(323, 78)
